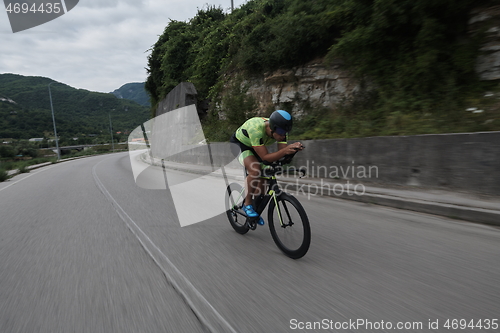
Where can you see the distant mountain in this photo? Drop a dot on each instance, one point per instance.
(134, 92)
(25, 110)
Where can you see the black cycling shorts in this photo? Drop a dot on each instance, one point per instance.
(237, 148)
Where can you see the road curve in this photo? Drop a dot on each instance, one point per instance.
(84, 249)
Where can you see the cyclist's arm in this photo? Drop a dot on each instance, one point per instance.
(272, 157)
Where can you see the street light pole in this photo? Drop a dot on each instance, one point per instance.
(54, 122)
(111, 131)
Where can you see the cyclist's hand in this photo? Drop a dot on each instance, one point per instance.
(294, 147)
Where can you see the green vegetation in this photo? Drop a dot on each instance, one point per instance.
(417, 54)
(22, 154)
(3, 175)
(238, 105)
(79, 113)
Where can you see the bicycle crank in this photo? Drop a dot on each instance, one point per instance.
(252, 222)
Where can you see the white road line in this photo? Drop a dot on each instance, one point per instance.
(31, 174)
(206, 313)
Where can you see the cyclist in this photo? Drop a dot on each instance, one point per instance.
(249, 144)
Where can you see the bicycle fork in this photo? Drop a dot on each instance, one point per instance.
(282, 214)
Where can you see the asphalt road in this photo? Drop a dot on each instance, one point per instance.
(84, 249)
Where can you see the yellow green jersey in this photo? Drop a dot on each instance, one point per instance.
(253, 133)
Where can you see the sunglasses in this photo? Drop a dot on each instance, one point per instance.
(280, 131)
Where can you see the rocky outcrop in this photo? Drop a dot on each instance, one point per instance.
(488, 61)
(315, 84)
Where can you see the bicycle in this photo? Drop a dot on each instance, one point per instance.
(293, 234)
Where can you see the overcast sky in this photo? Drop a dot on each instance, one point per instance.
(99, 45)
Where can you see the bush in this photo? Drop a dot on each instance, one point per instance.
(7, 151)
(24, 168)
(3, 175)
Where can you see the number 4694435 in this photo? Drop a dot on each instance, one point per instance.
(484, 324)
(24, 8)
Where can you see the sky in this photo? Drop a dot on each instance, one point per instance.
(99, 45)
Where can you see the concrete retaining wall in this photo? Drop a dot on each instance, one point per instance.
(465, 162)
(468, 162)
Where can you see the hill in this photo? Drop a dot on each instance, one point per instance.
(25, 109)
(133, 91)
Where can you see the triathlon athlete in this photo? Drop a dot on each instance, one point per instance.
(249, 144)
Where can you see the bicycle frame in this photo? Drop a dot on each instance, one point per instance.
(273, 191)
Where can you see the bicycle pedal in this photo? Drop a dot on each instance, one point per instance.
(252, 222)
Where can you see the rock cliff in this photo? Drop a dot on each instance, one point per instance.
(316, 84)
(488, 62)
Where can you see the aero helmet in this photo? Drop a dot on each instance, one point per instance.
(280, 122)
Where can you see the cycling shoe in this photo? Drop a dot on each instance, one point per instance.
(261, 221)
(250, 211)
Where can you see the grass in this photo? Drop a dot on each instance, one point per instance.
(22, 166)
(13, 165)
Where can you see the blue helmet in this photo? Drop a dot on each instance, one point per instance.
(280, 122)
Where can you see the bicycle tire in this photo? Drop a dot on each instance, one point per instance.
(293, 240)
(237, 221)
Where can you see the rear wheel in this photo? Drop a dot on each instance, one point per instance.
(289, 226)
(235, 194)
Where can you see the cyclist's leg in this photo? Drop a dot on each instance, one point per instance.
(254, 183)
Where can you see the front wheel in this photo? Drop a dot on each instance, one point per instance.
(289, 225)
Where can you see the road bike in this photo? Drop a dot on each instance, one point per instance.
(287, 219)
